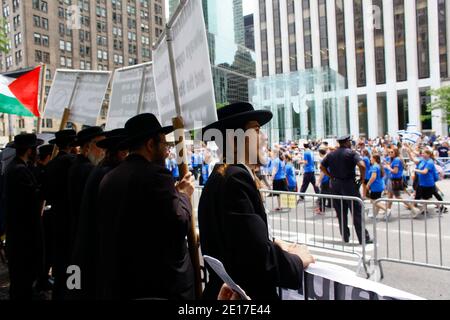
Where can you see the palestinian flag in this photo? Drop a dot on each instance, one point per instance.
(19, 92)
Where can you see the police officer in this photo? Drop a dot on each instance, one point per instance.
(340, 167)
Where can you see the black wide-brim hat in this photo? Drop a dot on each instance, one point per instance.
(142, 127)
(27, 140)
(236, 116)
(114, 140)
(46, 150)
(88, 134)
(64, 136)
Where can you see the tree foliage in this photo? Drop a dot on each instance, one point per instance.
(4, 37)
(441, 102)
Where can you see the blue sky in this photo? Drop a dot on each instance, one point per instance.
(249, 6)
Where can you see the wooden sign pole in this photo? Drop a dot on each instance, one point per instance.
(178, 124)
(42, 97)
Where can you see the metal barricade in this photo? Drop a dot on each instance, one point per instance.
(300, 224)
(423, 240)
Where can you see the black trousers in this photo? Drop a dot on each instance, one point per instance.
(309, 178)
(325, 189)
(348, 188)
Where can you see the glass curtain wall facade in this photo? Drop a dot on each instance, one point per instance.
(297, 99)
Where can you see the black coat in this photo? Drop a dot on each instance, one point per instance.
(56, 194)
(233, 229)
(23, 225)
(143, 226)
(78, 175)
(86, 245)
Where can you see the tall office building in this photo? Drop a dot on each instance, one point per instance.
(97, 35)
(232, 64)
(389, 52)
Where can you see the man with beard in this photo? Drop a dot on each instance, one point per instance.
(144, 221)
(56, 197)
(23, 223)
(232, 217)
(89, 157)
(86, 245)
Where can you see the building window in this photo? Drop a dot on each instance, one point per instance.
(363, 120)
(37, 39)
(277, 35)
(292, 36)
(422, 39)
(443, 39)
(380, 65)
(307, 34)
(340, 32)
(323, 27)
(264, 45)
(400, 40)
(359, 43)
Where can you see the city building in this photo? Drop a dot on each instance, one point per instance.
(233, 65)
(389, 52)
(249, 32)
(90, 35)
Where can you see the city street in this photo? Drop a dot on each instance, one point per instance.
(321, 234)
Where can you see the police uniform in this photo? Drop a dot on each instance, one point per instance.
(341, 166)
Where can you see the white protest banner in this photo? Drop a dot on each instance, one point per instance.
(125, 97)
(88, 95)
(326, 281)
(193, 70)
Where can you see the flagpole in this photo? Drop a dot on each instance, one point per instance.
(178, 124)
(42, 97)
(141, 92)
(66, 114)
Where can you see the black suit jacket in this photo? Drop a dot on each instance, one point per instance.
(78, 174)
(143, 226)
(23, 221)
(233, 229)
(86, 245)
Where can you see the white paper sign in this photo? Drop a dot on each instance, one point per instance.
(126, 89)
(193, 70)
(88, 97)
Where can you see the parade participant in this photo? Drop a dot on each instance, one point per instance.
(24, 243)
(56, 196)
(279, 177)
(309, 176)
(290, 174)
(86, 245)
(324, 185)
(44, 156)
(367, 162)
(375, 184)
(89, 157)
(144, 221)
(232, 218)
(174, 168)
(340, 167)
(397, 184)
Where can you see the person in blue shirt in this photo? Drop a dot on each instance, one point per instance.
(366, 159)
(290, 174)
(309, 176)
(174, 168)
(376, 183)
(279, 177)
(324, 184)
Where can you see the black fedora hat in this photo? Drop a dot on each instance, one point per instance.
(88, 134)
(26, 140)
(46, 150)
(114, 140)
(143, 126)
(64, 136)
(237, 115)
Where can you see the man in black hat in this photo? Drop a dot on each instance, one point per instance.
(232, 217)
(44, 156)
(340, 166)
(56, 196)
(89, 157)
(86, 246)
(23, 224)
(144, 221)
